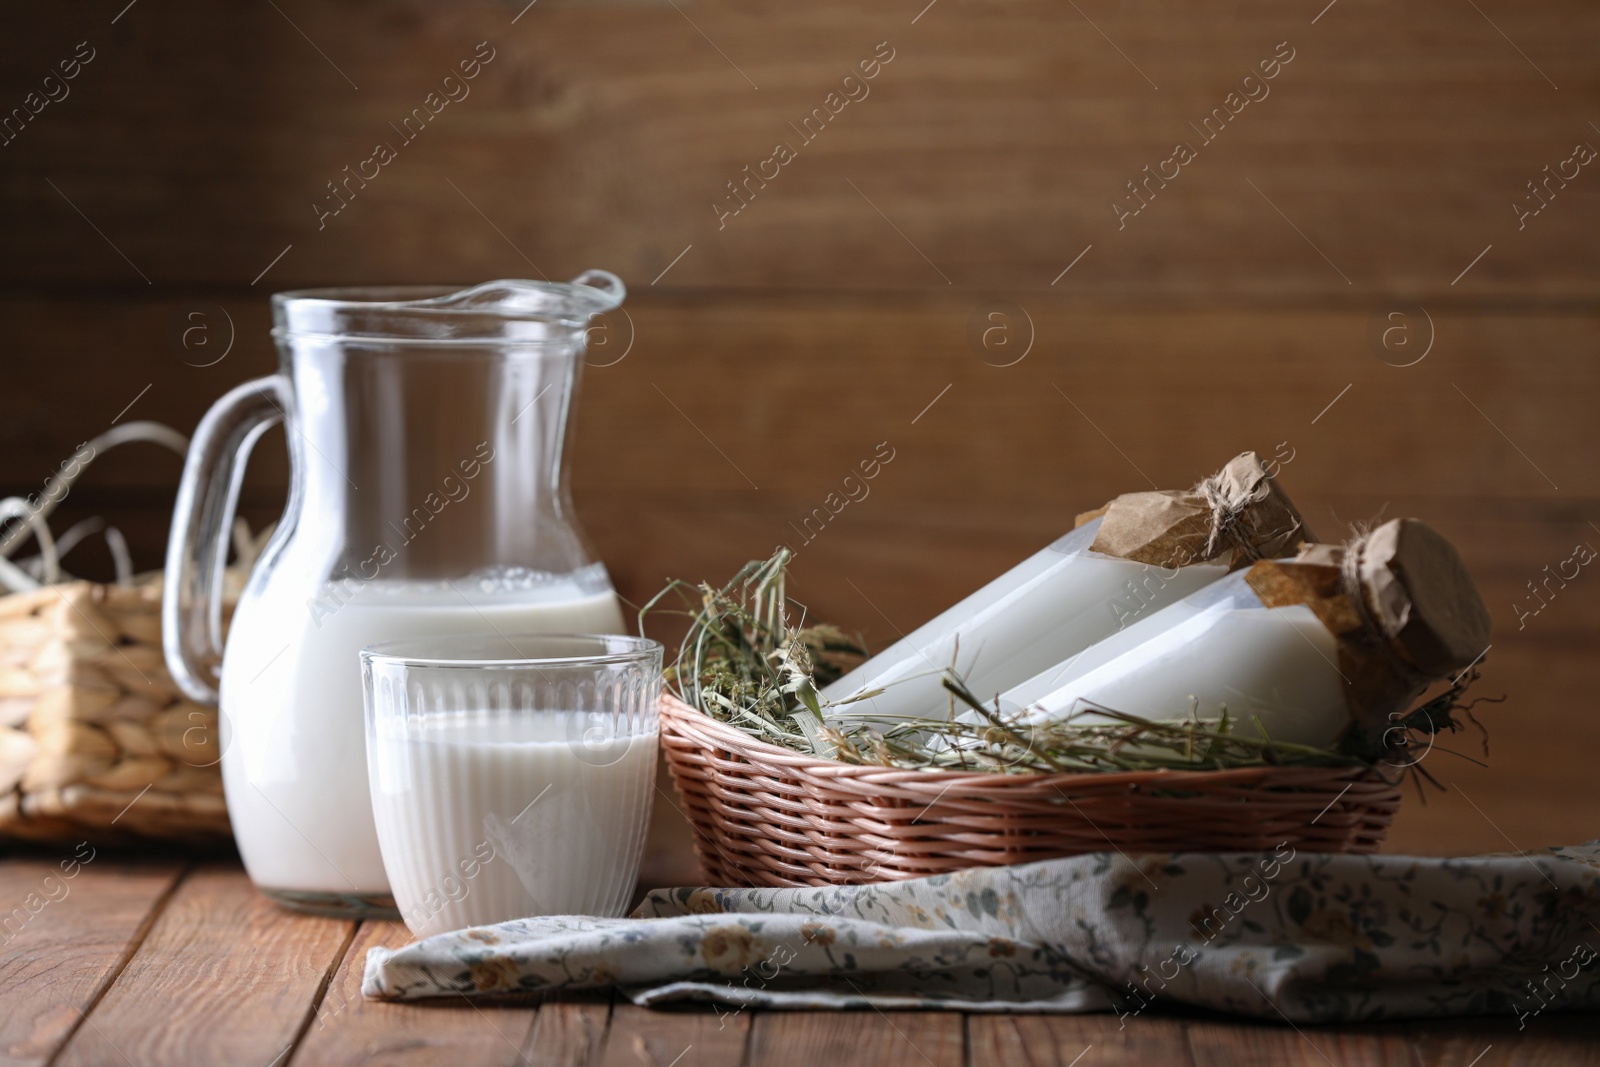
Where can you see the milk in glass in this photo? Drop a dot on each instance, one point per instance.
(486, 818)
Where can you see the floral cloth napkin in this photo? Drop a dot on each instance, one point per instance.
(1308, 937)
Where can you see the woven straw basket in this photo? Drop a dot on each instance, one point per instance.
(96, 742)
(766, 816)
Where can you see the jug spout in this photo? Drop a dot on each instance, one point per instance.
(594, 292)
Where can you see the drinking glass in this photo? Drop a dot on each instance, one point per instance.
(511, 774)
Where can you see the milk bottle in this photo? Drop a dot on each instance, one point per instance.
(1330, 647)
(1146, 550)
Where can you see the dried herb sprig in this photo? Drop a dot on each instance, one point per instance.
(743, 663)
(989, 741)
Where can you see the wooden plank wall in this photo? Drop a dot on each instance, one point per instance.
(1378, 181)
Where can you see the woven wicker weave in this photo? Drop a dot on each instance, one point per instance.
(96, 741)
(766, 816)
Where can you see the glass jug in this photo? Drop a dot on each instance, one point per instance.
(427, 432)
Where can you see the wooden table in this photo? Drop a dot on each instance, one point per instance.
(153, 961)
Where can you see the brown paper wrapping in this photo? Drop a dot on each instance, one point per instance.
(1401, 607)
(1240, 514)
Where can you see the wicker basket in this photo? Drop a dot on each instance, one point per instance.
(96, 742)
(766, 816)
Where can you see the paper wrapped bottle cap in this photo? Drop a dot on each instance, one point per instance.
(1401, 605)
(1240, 514)
(1421, 597)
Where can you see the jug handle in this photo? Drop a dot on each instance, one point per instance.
(202, 519)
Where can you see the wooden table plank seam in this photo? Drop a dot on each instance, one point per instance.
(287, 1055)
(157, 906)
(521, 1050)
(561, 1034)
(222, 976)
